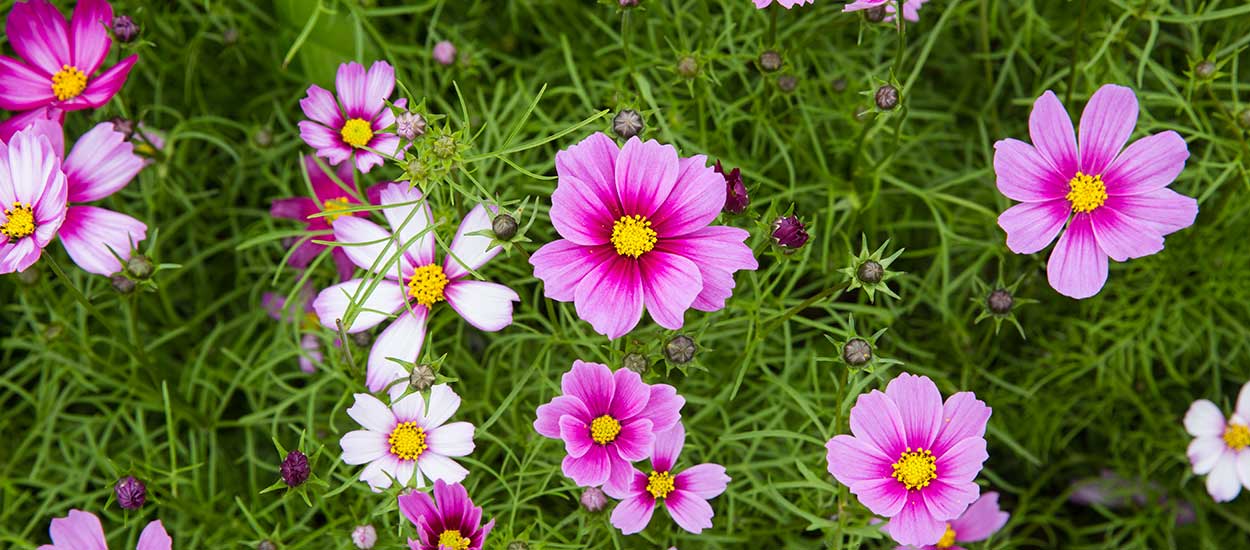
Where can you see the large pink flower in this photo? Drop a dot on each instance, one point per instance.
(635, 227)
(338, 135)
(32, 197)
(82, 531)
(1113, 200)
(59, 60)
(911, 8)
(329, 197)
(1221, 449)
(912, 458)
(787, 4)
(409, 282)
(684, 494)
(448, 521)
(607, 420)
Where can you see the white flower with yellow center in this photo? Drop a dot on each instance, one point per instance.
(1219, 449)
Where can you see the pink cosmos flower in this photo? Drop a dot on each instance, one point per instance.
(328, 198)
(684, 494)
(351, 132)
(20, 121)
(408, 440)
(1219, 449)
(635, 227)
(787, 4)
(82, 531)
(1114, 200)
(444, 52)
(607, 420)
(409, 281)
(982, 519)
(32, 197)
(912, 458)
(911, 8)
(275, 305)
(449, 521)
(59, 60)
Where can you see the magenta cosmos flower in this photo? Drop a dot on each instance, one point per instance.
(911, 8)
(449, 521)
(304, 317)
(410, 282)
(408, 439)
(607, 421)
(1218, 450)
(1114, 203)
(351, 132)
(912, 458)
(787, 4)
(330, 198)
(59, 60)
(982, 519)
(684, 494)
(82, 531)
(32, 197)
(635, 227)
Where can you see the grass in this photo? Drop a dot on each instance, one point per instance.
(188, 384)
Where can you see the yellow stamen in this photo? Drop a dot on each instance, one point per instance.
(21, 221)
(659, 484)
(915, 469)
(1237, 437)
(451, 539)
(68, 82)
(426, 284)
(357, 132)
(632, 236)
(604, 429)
(333, 205)
(948, 538)
(1086, 192)
(407, 441)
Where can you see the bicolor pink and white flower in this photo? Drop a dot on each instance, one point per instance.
(685, 494)
(448, 521)
(356, 130)
(82, 531)
(912, 458)
(634, 222)
(787, 4)
(1114, 200)
(911, 8)
(982, 519)
(33, 196)
(59, 60)
(330, 202)
(304, 317)
(408, 439)
(607, 421)
(1219, 449)
(409, 282)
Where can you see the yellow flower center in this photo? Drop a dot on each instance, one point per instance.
(915, 469)
(357, 132)
(407, 441)
(21, 221)
(68, 82)
(659, 484)
(452, 540)
(426, 284)
(604, 429)
(331, 206)
(632, 235)
(1086, 192)
(948, 538)
(1237, 437)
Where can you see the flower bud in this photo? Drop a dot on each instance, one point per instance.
(1204, 69)
(1000, 301)
(636, 362)
(139, 266)
(131, 493)
(294, 469)
(445, 146)
(410, 125)
(518, 545)
(230, 36)
(886, 97)
(362, 339)
(594, 499)
(445, 52)
(680, 349)
(789, 233)
(263, 137)
(504, 227)
(123, 126)
(688, 67)
(857, 352)
(121, 283)
(1243, 119)
(627, 124)
(788, 83)
(770, 61)
(875, 14)
(870, 272)
(364, 536)
(839, 84)
(736, 198)
(421, 377)
(124, 29)
(266, 545)
(629, 3)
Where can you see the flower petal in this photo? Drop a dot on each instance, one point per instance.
(22, 87)
(670, 284)
(1204, 451)
(914, 525)
(592, 384)
(369, 246)
(320, 106)
(875, 418)
(379, 83)
(962, 462)
(1077, 267)
(101, 163)
(630, 394)
(851, 460)
(408, 214)
(645, 175)
(363, 446)
(89, 34)
(469, 252)
(440, 468)
(946, 501)
(663, 407)
(1164, 210)
(39, 34)
(689, 512)
(1050, 128)
(378, 300)
(1025, 175)
(401, 340)
(592, 162)
(1222, 483)
(696, 199)
(920, 405)
(633, 514)
(326, 141)
(576, 436)
(718, 252)
(982, 519)
(444, 402)
(1123, 237)
(882, 496)
(350, 83)
(1031, 226)
(706, 481)
(154, 536)
(589, 470)
(102, 88)
(372, 414)
(79, 530)
(487, 306)
(95, 238)
(1106, 124)
(963, 416)
(610, 297)
(562, 264)
(1149, 164)
(547, 423)
(579, 214)
(455, 439)
(636, 440)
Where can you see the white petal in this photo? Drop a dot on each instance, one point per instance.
(385, 298)
(1243, 401)
(487, 306)
(376, 475)
(368, 246)
(469, 252)
(402, 340)
(1243, 467)
(410, 408)
(455, 439)
(372, 414)
(362, 446)
(409, 222)
(436, 467)
(443, 404)
(404, 470)
(1204, 451)
(1204, 418)
(1222, 482)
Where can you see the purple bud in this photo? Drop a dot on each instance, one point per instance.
(594, 499)
(1000, 301)
(364, 536)
(295, 469)
(445, 52)
(886, 97)
(131, 493)
(124, 28)
(409, 125)
(736, 198)
(629, 3)
(789, 232)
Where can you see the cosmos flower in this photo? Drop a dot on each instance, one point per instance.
(634, 223)
(408, 281)
(355, 131)
(911, 8)
(1113, 200)
(407, 440)
(448, 521)
(1219, 449)
(330, 198)
(32, 197)
(787, 4)
(276, 306)
(912, 458)
(982, 519)
(684, 494)
(82, 531)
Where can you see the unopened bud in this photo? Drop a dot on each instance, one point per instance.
(445, 53)
(518, 545)
(295, 469)
(627, 124)
(139, 266)
(789, 233)
(131, 493)
(886, 97)
(1204, 69)
(839, 84)
(636, 362)
(504, 226)
(680, 349)
(1243, 119)
(1000, 301)
(770, 61)
(870, 272)
(410, 125)
(688, 67)
(124, 29)
(362, 339)
(421, 378)
(629, 3)
(445, 146)
(876, 14)
(364, 536)
(121, 283)
(857, 352)
(788, 83)
(230, 36)
(266, 545)
(594, 499)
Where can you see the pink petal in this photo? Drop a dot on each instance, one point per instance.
(1123, 237)
(962, 462)
(592, 163)
(101, 163)
(1077, 267)
(580, 214)
(670, 284)
(350, 83)
(592, 384)
(718, 251)
(39, 34)
(363, 446)
(23, 88)
(293, 208)
(366, 160)
(1222, 483)
(689, 511)
(863, 5)
(946, 501)
(487, 306)
(52, 130)
(1204, 418)
(408, 214)
(882, 496)
(547, 423)
(1031, 226)
(455, 439)
(102, 88)
(851, 460)
(416, 506)
(920, 406)
(630, 395)
(16, 257)
(154, 536)
(589, 470)
(89, 34)
(325, 188)
(1106, 124)
(576, 436)
(1025, 175)
(963, 416)
(663, 407)
(372, 414)
(610, 297)
(562, 264)
(1050, 128)
(379, 83)
(635, 441)
(401, 340)
(875, 418)
(319, 105)
(79, 530)
(468, 251)
(369, 246)
(982, 519)
(914, 525)
(645, 175)
(667, 448)
(621, 475)
(1149, 164)
(377, 299)
(326, 141)
(20, 121)
(633, 514)
(696, 199)
(637, 486)
(443, 404)
(95, 238)
(1164, 210)
(705, 481)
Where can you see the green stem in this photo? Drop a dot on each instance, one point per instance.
(1076, 55)
(772, 26)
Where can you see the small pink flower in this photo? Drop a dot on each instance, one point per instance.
(684, 494)
(304, 317)
(357, 130)
(408, 281)
(634, 222)
(60, 60)
(912, 458)
(408, 440)
(364, 536)
(1113, 200)
(607, 420)
(445, 52)
(448, 521)
(1219, 449)
(328, 198)
(982, 519)
(82, 531)
(33, 195)
(787, 4)
(911, 8)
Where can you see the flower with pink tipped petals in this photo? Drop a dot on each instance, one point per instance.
(82, 531)
(1219, 449)
(787, 4)
(1114, 200)
(33, 195)
(20, 121)
(634, 222)
(408, 281)
(303, 316)
(912, 458)
(319, 212)
(407, 439)
(911, 8)
(982, 519)
(607, 421)
(355, 131)
(59, 60)
(448, 521)
(684, 494)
